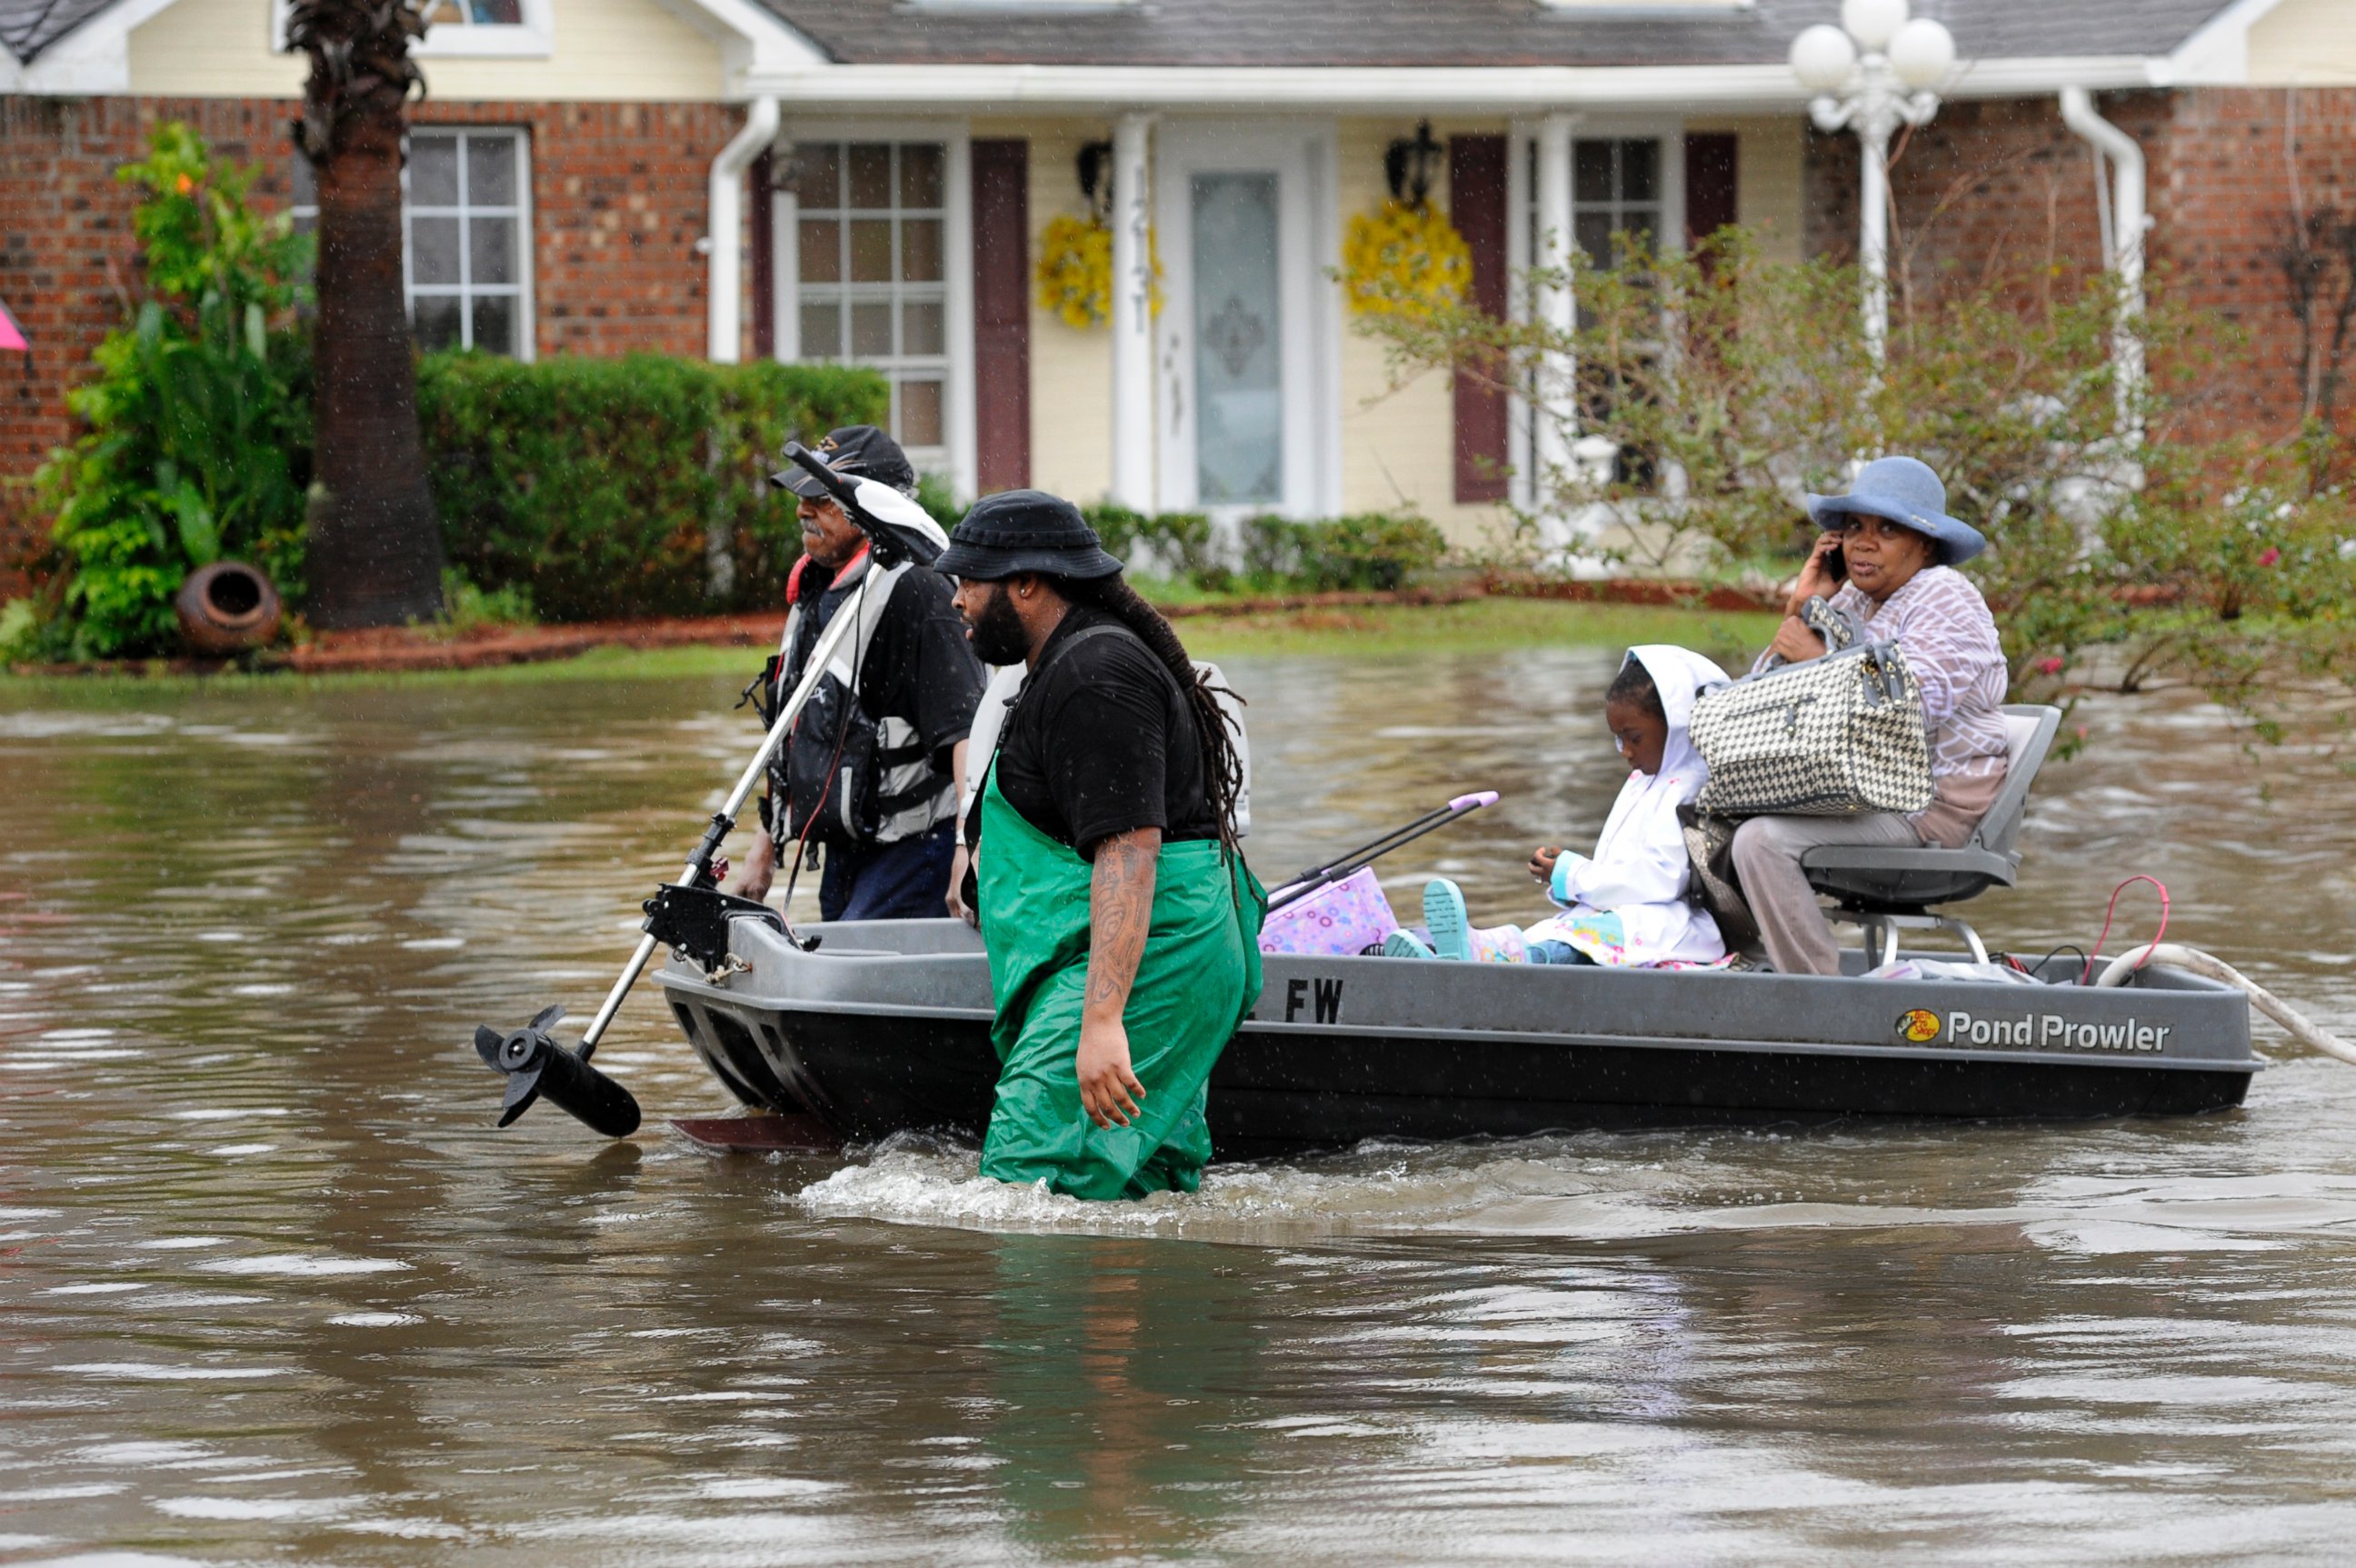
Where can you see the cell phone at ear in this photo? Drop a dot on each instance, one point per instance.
(1837, 564)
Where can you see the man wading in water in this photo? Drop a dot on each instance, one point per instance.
(1122, 924)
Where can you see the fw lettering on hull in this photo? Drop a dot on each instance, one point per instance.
(1324, 1003)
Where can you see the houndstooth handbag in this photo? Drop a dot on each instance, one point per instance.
(1838, 737)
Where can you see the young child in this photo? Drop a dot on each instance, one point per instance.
(1624, 906)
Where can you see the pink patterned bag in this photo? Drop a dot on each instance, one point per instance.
(1339, 920)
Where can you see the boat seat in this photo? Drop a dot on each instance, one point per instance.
(1886, 889)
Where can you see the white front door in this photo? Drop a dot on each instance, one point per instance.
(1245, 322)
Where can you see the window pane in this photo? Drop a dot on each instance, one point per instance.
(821, 249)
(923, 327)
(870, 330)
(304, 183)
(1591, 232)
(434, 251)
(491, 172)
(436, 319)
(499, 13)
(871, 250)
(818, 182)
(919, 419)
(491, 249)
(1640, 171)
(495, 323)
(920, 174)
(433, 171)
(871, 176)
(1641, 224)
(1591, 163)
(822, 330)
(920, 249)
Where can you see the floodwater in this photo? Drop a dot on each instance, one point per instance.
(273, 1290)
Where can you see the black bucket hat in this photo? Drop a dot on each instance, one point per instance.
(1025, 531)
(855, 451)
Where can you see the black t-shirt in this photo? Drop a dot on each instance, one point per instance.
(919, 668)
(1101, 741)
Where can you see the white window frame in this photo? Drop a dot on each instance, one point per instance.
(1521, 237)
(527, 312)
(534, 38)
(958, 459)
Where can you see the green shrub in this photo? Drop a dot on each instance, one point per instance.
(466, 608)
(596, 484)
(938, 496)
(197, 432)
(1371, 550)
(1119, 526)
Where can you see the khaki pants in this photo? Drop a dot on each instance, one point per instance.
(1792, 925)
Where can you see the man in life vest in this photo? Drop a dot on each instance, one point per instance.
(1123, 925)
(870, 771)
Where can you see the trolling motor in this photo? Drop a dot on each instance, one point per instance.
(691, 915)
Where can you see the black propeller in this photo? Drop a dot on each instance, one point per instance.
(535, 1065)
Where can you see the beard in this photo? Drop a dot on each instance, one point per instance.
(997, 633)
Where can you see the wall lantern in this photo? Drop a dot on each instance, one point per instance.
(1094, 166)
(1411, 166)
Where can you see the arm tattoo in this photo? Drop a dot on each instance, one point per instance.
(1120, 911)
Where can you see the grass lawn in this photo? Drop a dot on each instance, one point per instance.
(1478, 625)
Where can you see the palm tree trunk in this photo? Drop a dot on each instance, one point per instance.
(375, 546)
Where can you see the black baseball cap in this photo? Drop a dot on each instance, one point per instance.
(855, 451)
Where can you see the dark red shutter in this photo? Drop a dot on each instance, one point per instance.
(764, 263)
(1001, 312)
(1710, 194)
(1476, 197)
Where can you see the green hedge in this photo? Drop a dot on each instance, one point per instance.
(591, 484)
(1370, 550)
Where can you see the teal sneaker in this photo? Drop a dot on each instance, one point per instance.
(1399, 944)
(1444, 917)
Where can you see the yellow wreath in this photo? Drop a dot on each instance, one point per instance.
(1074, 270)
(1404, 261)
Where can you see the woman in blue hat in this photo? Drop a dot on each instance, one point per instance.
(1888, 555)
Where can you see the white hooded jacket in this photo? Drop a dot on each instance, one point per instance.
(1639, 870)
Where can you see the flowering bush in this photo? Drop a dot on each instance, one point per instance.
(1404, 261)
(2129, 541)
(197, 424)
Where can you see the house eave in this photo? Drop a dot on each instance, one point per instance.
(1766, 89)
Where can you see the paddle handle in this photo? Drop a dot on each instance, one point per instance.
(1366, 854)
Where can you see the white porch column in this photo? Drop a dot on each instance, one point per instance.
(1555, 398)
(1132, 315)
(724, 291)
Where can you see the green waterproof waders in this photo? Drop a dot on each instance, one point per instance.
(1198, 978)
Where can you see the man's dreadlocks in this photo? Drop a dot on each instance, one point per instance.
(1223, 771)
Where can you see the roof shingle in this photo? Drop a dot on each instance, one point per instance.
(1445, 32)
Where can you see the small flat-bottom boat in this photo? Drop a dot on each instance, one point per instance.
(885, 1027)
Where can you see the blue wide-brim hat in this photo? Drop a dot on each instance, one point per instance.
(1905, 491)
(1025, 531)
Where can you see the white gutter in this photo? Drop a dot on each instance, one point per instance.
(2126, 260)
(726, 290)
(1484, 88)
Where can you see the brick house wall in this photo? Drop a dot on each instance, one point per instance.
(2005, 185)
(618, 205)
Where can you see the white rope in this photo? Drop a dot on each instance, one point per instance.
(2214, 968)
